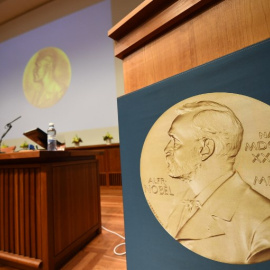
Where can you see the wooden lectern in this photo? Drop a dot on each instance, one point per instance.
(49, 207)
(157, 40)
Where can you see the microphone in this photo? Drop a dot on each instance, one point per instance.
(8, 124)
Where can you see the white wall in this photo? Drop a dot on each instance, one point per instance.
(89, 108)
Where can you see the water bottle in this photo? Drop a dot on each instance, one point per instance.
(51, 138)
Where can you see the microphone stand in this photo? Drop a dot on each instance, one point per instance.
(8, 126)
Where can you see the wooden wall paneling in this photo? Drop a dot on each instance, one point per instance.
(114, 163)
(107, 172)
(102, 164)
(114, 166)
(109, 162)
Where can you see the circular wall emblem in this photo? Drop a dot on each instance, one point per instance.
(46, 77)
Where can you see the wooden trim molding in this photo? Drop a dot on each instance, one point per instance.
(18, 260)
(169, 40)
(151, 19)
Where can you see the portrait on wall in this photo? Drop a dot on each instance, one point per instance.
(204, 171)
(47, 77)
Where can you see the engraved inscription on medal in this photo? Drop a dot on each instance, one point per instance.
(260, 153)
(158, 186)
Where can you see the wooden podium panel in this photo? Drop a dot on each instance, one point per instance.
(156, 41)
(162, 38)
(49, 207)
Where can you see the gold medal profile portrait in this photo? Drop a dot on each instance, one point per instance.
(47, 77)
(205, 175)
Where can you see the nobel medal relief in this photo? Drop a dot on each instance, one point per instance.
(205, 175)
(47, 77)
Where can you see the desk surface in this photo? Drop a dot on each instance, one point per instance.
(43, 155)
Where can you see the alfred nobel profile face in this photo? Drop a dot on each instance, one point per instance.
(43, 66)
(204, 169)
(203, 130)
(183, 149)
(47, 77)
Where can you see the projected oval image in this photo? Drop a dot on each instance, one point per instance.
(47, 77)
